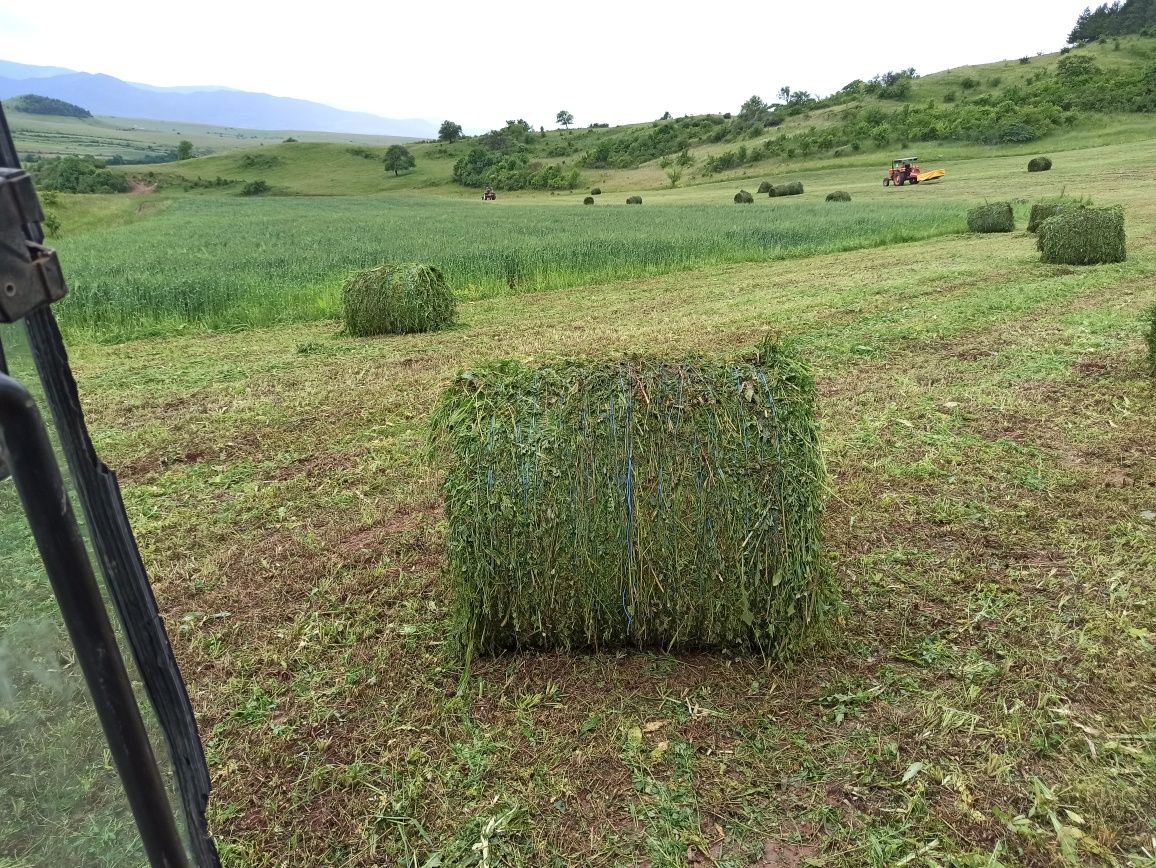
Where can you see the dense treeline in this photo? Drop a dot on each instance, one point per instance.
(35, 104)
(1114, 19)
(502, 159)
(77, 175)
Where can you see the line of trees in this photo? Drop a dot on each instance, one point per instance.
(1114, 19)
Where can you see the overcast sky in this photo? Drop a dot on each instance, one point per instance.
(480, 63)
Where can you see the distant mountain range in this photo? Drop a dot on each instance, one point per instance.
(219, 106)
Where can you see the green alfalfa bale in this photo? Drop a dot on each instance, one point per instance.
(646, 501)
(398, 298)
(993, 217)
(1039, 164)
(1083, 236)
(1150, 339)
(742, 197)
(589, 200)
(633, 200)
(1041, 211)
(595, 191)
(793, 188)
(839, 196)
(764, 187)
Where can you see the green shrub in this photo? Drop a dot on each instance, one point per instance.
(397, 299)
(839, 196)
(1039, 164)
(51, 223)
(589, 200)
(1150, 338)
(1083, 236)
(764, 187)
(994, 217)
(596, 191)
(633, 200)
(577, 514)
(254, 188)
(1041, 211)
(742, 197)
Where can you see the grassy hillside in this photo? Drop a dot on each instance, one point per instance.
(137, 138)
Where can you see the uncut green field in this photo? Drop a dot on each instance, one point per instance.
(237, 263)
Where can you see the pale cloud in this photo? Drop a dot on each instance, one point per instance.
(482, 63)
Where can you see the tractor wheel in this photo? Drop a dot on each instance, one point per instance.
(887, 181)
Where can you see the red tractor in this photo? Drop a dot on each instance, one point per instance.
(905, 170)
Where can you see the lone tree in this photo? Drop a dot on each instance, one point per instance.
(564, 119)
(398, 159)
(184, 149)
(449, 132)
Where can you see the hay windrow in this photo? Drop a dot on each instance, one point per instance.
(399, 298)
(644, 501)
(993, 217)
(1083, 236)
(1150, 339)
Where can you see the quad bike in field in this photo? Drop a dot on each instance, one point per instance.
(905, 170)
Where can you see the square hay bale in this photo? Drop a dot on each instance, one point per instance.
(994, 217)
(1041, 211)
(839, 196)
(1083, 236)
(398, 299)
(646, 502)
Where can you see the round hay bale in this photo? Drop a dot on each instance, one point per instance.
(397, 299)
(633, 200)
(742, 197)
(839, 196)
(596, 191)
(1083, 236)
(994, 217)
(1041, 211)
(577, 515)
(1039, 164)
(589, 200)
(795, 188)
(764, 187)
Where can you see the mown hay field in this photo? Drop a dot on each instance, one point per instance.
(986, 697)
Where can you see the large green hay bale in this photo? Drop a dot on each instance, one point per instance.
(839, 196)
(595, 191)
(1150, 339)
(633, 200)
(742, 197)
(397, 299)
(764, 187)
(793, 188)
(1039, 164)
(1041, 211)
(1083, 236)
(994, 217)
(589, 200)
(649, 502)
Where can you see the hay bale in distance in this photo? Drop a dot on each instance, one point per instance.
(764, 187)
(397, 299)
(994, 217)
(596, 191)
(589, 200)
(1039, 164)
(1083, 236)
(839, 196)
(742, 197)
(647, 502)
(793, 188)
(1041, 211)
(633, 200)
